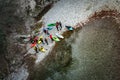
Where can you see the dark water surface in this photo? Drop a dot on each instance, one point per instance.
(95, 53)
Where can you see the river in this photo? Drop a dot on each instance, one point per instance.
(95, 53)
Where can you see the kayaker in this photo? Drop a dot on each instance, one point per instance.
(31, 39)
(46, 41)
(44, 30)
(36, 49)
(57, 24)
(60, 24)
(51, 37)
(41, 39)
(42, 49)
(47, 32)
(36, 39)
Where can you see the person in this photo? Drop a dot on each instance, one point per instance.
(36, 39)
(47, 32)
(46, 41)
(57, 24)
(31, 39)
(42, 49)
(41, 39)
(36, 49)
(44, 30)
(51, 37)
(60, 24)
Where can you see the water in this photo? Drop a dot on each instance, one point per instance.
(95, 53)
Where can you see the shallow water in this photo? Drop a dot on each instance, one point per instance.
(95, 53)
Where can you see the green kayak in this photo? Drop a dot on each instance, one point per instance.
(55, 38)
(52, 24)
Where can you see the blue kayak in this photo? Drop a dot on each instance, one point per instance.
(69, 28)
(49, 28)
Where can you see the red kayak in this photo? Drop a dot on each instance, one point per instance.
(32, 45)
(35, 39)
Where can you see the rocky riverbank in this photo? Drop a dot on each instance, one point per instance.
(17, 18)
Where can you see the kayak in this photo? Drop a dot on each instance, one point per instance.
(36, 38)
(33, 45)
(55, 38)
(52, 24)
(39, 42)
(26, 40)
(40, 37)
(69, 28)
(49, 28)
(42, 49)
(59, 35)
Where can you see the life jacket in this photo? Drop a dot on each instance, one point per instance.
(57, 24)
(51, 36)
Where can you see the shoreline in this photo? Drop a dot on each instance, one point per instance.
(51, 54)
(96, 15)
(75, 16)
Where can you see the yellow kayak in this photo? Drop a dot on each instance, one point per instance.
(39, 42)
(42, 49)
(40, 37)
